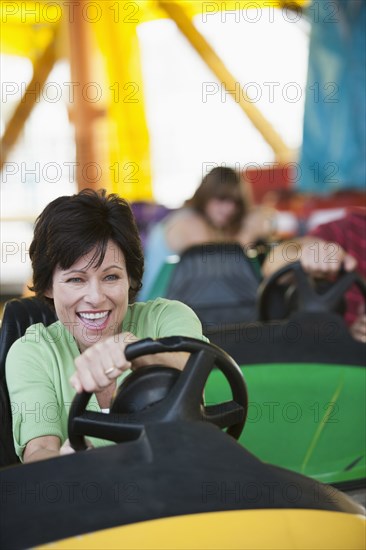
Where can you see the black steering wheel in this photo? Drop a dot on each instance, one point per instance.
(163, 394)
(308, 299)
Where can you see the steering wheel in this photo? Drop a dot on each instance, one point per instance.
(309, 300)
(163, 394)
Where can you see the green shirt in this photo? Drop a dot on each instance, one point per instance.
(40, 364)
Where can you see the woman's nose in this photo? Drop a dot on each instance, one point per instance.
(94, 294)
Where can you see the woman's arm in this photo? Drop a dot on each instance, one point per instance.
(259, 223)
(185, 229)
(319, 258)
(31, 372)
(159, 319)
(48, 446)
(98, 366)
(41, 448)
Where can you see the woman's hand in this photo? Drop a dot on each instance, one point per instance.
(319, 258)
(323, 259)
(98, 366)
(66, 448)
(358, 328)
(259, 223)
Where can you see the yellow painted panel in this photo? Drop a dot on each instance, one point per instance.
(27, 27)
(35, 12)
(128, 134)
(24, 40)
(246, 530)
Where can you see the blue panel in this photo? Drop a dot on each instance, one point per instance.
(334, 142)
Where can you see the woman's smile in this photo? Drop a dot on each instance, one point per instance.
(94, 320)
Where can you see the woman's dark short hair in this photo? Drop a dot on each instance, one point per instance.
(221, 183)
(71, 226)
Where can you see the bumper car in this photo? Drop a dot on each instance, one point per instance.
(306, 379)
(173, 479)
(218, 281)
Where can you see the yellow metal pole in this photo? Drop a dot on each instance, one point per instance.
(207, 53)
(41, 69)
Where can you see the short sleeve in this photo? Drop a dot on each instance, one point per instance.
(160, 318)
(331, 232)
(177, 319)
(35, 408)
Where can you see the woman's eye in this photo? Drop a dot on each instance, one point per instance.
(74, 280)
(112, 277)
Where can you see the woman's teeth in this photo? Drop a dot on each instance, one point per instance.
(94, 315)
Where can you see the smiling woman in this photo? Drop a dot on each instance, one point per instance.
(92, 298)
(87, 264)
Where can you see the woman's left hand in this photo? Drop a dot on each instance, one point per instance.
(99, 365)
(66, 448)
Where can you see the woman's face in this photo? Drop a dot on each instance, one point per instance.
(220, 211)
(92, 302)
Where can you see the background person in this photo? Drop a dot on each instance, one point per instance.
(324, 251)
(219, 211)
(87, 263)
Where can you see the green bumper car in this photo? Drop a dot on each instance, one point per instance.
(174, 479)
(306, 380)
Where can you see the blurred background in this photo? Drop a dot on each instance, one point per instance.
(146, 97)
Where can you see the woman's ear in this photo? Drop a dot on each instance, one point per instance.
(49, 293)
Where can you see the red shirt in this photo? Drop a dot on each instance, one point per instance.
(350, 233)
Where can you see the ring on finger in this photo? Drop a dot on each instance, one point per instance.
(109, 371)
